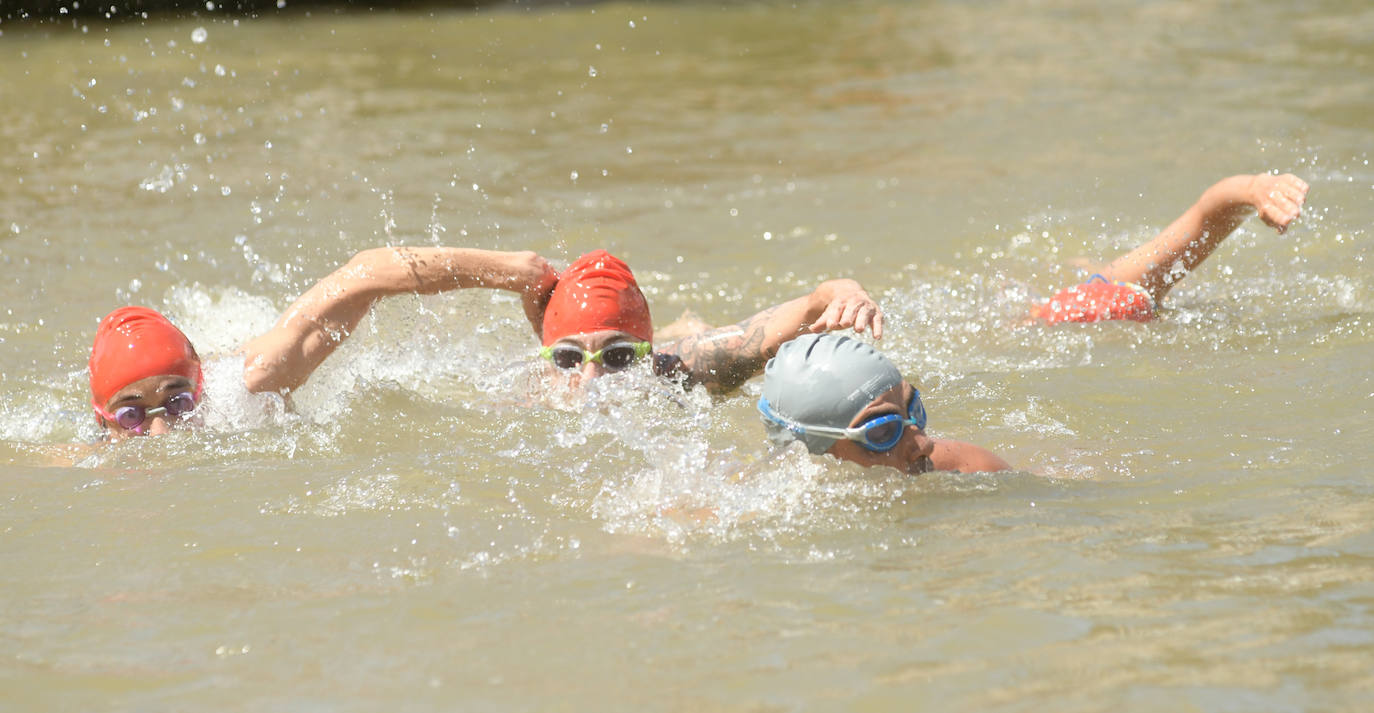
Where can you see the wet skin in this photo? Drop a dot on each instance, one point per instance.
(152, 392)
(913, 452)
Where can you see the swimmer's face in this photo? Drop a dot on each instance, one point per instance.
(912, 452)
(587, 369)
(166, 394)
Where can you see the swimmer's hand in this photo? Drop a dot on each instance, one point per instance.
(847, 306)
(1278, 199)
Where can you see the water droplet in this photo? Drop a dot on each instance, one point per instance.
(573, 175)
(591, 71)
(199, 35)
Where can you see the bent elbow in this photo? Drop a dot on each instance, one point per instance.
(259, 378)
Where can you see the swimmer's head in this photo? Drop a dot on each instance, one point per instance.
(140, 359)
(823, 380)
(597, 293)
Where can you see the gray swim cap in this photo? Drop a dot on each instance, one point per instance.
(823, 380)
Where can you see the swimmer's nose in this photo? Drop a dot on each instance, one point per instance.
(591, 370)
(922, 445)
(159, 425)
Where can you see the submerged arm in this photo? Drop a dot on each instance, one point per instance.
(1195, 234)
(724, 358)
(322, 318)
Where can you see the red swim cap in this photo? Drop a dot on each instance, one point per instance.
(1097, 301)
(597, 292)
(134, 343)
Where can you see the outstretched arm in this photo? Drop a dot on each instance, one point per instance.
(1195, 234)
(322, 318)
(723, 358)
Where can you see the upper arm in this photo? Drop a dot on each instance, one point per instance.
(314, 325)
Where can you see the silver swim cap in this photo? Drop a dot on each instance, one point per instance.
(823, 380)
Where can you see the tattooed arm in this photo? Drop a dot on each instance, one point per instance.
(724, 358)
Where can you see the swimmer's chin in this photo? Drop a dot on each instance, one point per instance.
(919, 466)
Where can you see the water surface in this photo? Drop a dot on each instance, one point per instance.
(1189, 524)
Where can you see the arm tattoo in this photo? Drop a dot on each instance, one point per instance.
(722, 359)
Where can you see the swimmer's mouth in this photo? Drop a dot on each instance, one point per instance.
(920, 465)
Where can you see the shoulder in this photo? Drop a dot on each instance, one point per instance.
(965, 458)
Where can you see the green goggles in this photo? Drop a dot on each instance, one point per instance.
(613, 356)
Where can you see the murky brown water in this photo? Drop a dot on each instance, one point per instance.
(1191, 527)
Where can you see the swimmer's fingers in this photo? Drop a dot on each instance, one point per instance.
(864, 314)
(1280, 199)
(861, 314)
(847, 305)
(838, 314)
(1279, 210)
(853, 311)
(830, 318)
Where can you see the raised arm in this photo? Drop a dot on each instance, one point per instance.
(1195, 234)
(322, 318)
(724, 358)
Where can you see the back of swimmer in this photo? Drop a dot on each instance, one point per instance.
(840, 396)
(1132, 285)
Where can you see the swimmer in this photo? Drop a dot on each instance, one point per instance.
(592, 319)
(841, 396)
(1132, 285)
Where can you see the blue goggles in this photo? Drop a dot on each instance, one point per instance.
(879, 434)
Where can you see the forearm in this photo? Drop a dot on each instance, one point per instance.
(834, 304)
(724, 358)
(381, 272)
